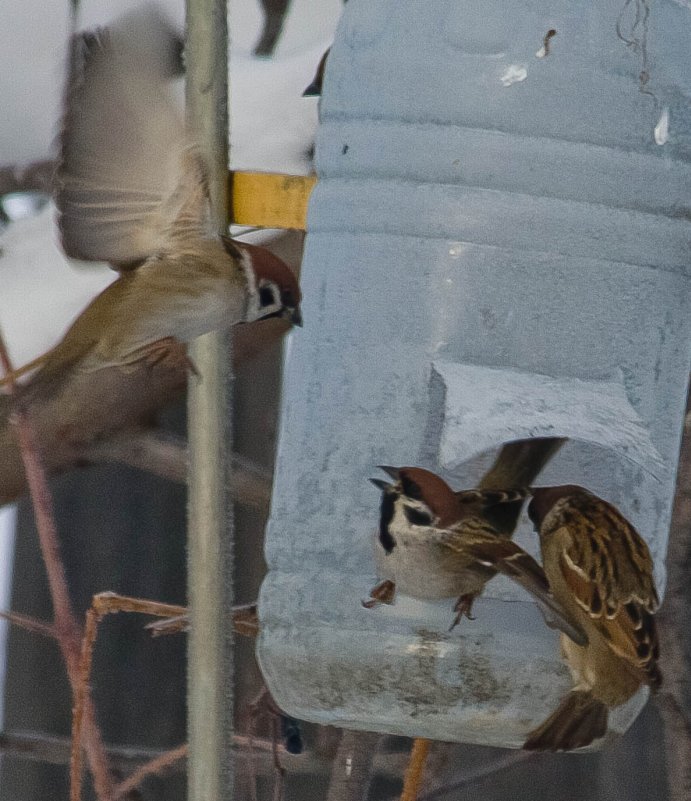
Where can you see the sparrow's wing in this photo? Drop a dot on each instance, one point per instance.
(126, 173)
(486, 499)
(510, 559)
(609, 570)
(500, 506)
(517, 464)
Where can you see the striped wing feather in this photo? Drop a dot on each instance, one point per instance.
(609, 570)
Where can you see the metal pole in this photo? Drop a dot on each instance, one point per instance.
(210, 522)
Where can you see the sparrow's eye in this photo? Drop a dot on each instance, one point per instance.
(266, 296)
(416, 517)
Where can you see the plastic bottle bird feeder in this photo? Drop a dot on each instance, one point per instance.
(497, 249)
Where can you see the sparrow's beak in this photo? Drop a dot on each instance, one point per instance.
(381, 484)
(294, 315)
(394, 472)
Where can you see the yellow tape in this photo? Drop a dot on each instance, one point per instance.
(269, 200)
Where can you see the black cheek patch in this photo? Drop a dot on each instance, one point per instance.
(416, 517)
(388, 543)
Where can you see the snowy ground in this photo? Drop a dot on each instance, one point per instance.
(272, 127)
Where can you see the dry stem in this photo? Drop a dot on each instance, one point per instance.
(30, 624)
(154, 767)
(105, 603)
(67, 629)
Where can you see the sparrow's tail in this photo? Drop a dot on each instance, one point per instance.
(578, 720)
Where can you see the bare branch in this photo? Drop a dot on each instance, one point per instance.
(30, 624)
(67, 629)
(155, 767)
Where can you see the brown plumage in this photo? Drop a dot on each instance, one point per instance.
(517, 464)
(438, 543)
(131, 190)
(601, 572)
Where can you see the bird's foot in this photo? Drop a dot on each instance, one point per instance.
(171, 353)
(383, 593)
(463, 607)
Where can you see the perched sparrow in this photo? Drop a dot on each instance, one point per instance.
(131, 190)
(600, 571)
(439, 543)
(315, 88)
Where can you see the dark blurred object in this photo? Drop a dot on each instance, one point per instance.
(35, 177)
(315, 88)
(291, 734)
(274, 16)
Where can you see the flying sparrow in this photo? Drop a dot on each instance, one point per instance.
(131, 190)
(438, 543)
(600, 571)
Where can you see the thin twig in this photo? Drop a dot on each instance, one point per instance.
(40, 747)
(30, 624)
(478, 775)
(68, 633)
(102, 604)
(414, 771)
(161, 764)
(80, 693)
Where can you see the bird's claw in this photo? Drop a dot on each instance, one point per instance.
(383, 593)
(462, 608)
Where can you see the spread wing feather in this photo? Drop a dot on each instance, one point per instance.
(126, 174)
(505, 557)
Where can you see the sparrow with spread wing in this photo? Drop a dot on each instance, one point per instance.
(131, 190)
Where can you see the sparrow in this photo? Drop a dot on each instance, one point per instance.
(600, 571)
(131, 190)
(437, 543)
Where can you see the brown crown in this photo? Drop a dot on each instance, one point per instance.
(425, 486)
(544, 499)
(269, 267)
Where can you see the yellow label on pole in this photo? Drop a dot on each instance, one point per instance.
(270, 200)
